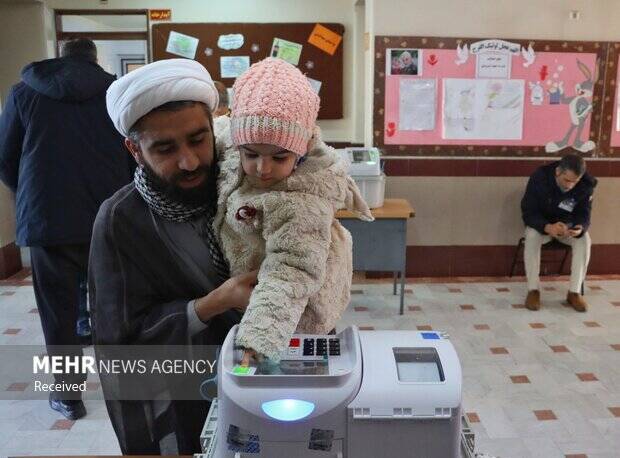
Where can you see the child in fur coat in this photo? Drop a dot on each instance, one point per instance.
(278, 190)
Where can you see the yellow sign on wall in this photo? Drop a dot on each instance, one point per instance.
(325, 39)
(160, 15)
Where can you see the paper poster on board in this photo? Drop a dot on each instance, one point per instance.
(417, 104)
(325, 39)
(401, 61)
(182, 45)
(493, 65)
(494, 57)
(483, 109)
(233, 66)
(230, 41)
(286, 50)
(316, 84)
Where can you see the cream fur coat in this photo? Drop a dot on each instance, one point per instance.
(290, 234)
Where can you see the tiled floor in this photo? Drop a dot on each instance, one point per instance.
(31, 427)
(535, 384)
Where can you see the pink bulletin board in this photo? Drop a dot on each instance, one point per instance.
(543, 122)
(615, 133)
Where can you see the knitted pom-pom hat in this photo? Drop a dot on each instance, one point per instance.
(273, 103)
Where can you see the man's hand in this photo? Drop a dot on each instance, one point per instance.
(575, 231)
(237, 290)
(556, 230)
(234, 293)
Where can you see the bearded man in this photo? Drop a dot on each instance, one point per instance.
(157, 276)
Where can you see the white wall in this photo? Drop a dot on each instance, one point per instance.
(111, 23)
(465, 211)
(109, 53)
(22, 41)
(342, 11)
(548, 19)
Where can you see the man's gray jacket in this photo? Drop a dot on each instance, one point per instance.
(140, 284)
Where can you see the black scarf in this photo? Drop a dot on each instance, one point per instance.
(182, 213)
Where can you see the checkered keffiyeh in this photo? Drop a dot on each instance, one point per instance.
(181, 213)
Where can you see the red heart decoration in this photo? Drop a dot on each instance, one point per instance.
(432, 59)
(391, 125)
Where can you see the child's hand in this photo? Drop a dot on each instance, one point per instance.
(248, 355)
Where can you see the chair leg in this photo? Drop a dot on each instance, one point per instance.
(516, 257)
(396, 276)
(402, 291)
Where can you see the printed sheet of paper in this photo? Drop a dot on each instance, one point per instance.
(493, 65)
(483, 109)
(286, 50)
(231, 41)
(325, 39)
(233, 66)
(182, 45)
(417, 104)
(316, 84)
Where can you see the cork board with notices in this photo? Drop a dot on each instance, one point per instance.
(321, 59)
(477, 97)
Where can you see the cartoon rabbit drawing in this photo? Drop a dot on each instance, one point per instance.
(579, 107)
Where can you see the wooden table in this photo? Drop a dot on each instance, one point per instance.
(381, 245)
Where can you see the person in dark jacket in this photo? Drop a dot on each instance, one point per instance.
(557, 204)
(62, 157)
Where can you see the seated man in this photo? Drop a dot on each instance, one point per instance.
(557, 203)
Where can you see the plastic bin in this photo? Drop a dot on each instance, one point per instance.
(372, 189)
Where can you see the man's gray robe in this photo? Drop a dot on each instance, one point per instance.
(143, 271)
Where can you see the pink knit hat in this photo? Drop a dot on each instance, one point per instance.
(273, 103)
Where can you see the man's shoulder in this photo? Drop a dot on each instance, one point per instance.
(21, 90)
(126, 202)
(541, 177)
(588, 182)
(544, 171)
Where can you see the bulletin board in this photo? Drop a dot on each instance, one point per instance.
(496, 98)
(611, 119)
(258, 39)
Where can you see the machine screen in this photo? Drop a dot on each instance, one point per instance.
(361, 156)
(290, 367)
(419, 365)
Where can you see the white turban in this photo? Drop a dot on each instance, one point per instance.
(139, 92)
